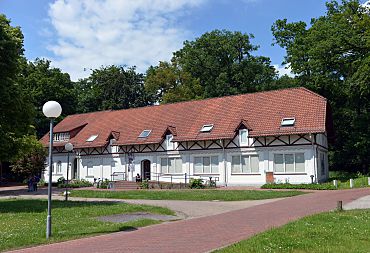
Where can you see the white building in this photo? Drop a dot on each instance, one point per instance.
(246, 139)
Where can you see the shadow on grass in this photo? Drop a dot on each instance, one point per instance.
(127, 228)
(39, 205)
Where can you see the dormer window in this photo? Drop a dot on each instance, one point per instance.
(145, 133)
(169, 143)
(243, 136)
(61, 137)
(92, 138)
(287, 122)
(206, 128)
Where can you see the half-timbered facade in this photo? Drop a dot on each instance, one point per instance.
(246, 139)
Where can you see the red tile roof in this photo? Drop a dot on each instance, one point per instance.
(262, 112)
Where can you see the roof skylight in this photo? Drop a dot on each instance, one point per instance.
(92, 138)
(145, 133)
(206, 128)
(287, 122)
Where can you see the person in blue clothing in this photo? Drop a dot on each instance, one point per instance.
(30, 183)
(35, 181)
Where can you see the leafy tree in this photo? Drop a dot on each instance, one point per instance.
(111, 87)
(31, 160)
(16, 111)
(43, 83)
(167, 83)
(223, 64)
(332, 57)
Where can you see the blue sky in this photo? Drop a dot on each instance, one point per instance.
(77, 35)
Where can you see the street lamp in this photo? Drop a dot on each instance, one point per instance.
(51, 110)
(69, 148)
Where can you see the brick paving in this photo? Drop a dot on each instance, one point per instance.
(208, 233)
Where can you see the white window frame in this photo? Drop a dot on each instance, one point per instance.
(90, 166)
(169, 143)
(210, 165)
(285, 122)
(245, 143)
(167, 172)
(58, 137)
(249, 164)
(145, 133)
(58, 168)
(206, 128)
(294, 163)
(92, 138)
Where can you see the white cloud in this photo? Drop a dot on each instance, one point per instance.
(367, 5)
(92, 33)
(283, 70)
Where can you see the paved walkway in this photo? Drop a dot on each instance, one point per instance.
(208, 233)
(361, 203)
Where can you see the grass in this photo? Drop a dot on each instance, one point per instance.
(198, 195)
(359, 182)
(23, 222)
(337, 232)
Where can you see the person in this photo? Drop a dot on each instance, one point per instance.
(138, 178)
(30, 183)
(36, 180)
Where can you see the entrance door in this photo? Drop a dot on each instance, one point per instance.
(145, 169)
(74, 169)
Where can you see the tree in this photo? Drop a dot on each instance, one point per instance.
(167, 83)
(16, 111)
(332, 58)
(223, 64)
(111, 87)
(31, 160)
(43, 83)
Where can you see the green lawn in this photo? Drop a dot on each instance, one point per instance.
(335, 232)
(222, 195)
(358, 182)
(22, 222)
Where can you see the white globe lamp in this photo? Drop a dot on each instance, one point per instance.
(68, 147)
(52, 109)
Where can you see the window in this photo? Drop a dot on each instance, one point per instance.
(243, 137)
(59, 167)
(206, 165)
(61, 137)
(169, 143)
(90, 169)
(206, 128)
(287, 122)
(145, 133)
(92, 138)
(171, 165)
(244, 164)
(322, 158)
(289, 163)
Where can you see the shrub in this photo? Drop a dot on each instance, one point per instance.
(41, 183)
(60, 181)
(103, 184)
(326, 186)
(76, 184)
(196, 183)
(144, 184)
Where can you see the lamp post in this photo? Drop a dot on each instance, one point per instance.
(69, 148)
(51, 110)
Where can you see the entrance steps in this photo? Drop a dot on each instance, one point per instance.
(126, 185)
